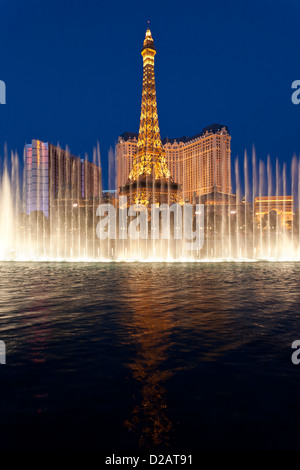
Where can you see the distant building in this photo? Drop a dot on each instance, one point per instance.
(283, 206)
(109, 196)
(215, 200)
(125, 152)
(200, 164)
(54, 176)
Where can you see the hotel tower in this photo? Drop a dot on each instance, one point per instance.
(54, 176)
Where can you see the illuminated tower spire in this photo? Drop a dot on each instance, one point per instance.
(150, 157)
(150, 180)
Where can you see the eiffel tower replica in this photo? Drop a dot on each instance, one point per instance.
(150, 180)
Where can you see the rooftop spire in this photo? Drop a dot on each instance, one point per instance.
(148, 42)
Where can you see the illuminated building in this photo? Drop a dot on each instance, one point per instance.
(148, 180)
(125, 152)
(282, 206)
(54, 176)
(200, 164)
(215, 200)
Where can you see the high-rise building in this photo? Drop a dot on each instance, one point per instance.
(148, 179)
(200, 164)
(54, 175)
(125, 152)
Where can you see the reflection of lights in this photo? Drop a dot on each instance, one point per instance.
(75, 204)
(232, 212)
(13, 256)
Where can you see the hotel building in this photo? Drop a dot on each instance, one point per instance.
(200, 164)
(54, 176)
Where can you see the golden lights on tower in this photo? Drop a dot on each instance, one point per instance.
(150, 157)
(150, 180)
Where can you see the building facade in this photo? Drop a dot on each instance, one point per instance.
(54, 176)
(282, 206)
(200, 164)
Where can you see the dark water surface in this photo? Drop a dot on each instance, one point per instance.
(178, 357)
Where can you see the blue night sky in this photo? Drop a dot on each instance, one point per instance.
(73, 72)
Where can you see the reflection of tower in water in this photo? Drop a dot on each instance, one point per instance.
(149, 330)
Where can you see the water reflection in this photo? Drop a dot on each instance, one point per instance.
(35, 317)
(150, 334)
(204, 347)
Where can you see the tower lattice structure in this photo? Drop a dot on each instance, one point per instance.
(150, 157)
(150, 180)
